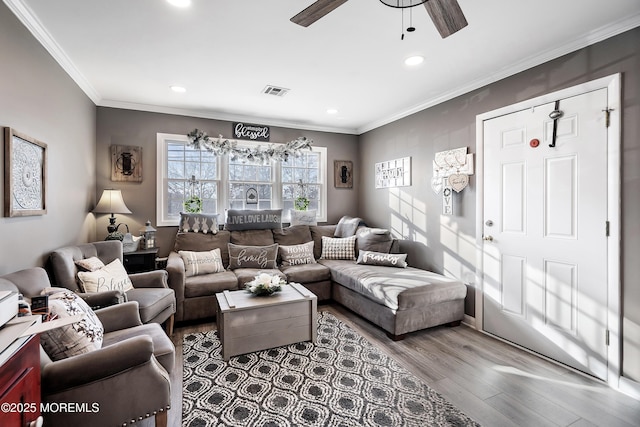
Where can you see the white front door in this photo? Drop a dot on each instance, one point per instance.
(545, 231)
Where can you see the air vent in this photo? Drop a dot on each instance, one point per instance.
(275, 90)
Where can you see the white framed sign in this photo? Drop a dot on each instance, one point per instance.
(393, 173)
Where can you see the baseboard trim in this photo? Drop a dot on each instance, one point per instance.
(630, 387)
(469, 321)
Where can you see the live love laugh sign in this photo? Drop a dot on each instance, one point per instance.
(251, 132)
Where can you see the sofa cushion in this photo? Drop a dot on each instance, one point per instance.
(251, 219)
(338, 248)
(297, 254)
(252, 237)
(308, 273)
(163, 348)
(198, 223)
(241, 256)
(199, 242)
(77, 338)
(197, 263)
(317, 231)
(294, 235)
(347, 226)
(396, 288)
(245, 275)
(152, 301)
(374, 239)
(209, 284)
(382, 258)
(112, 276)
(303, 217)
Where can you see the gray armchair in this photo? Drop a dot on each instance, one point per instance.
(128, 378)
(156, 300)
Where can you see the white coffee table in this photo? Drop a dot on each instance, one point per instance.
(248, 323)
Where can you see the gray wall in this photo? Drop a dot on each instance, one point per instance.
(127, 127)
(40, 100)
(414, 211)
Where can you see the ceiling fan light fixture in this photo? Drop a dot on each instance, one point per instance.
(402, 4)
(180, 3)
(412, 61)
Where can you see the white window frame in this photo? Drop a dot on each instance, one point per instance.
(162, 219)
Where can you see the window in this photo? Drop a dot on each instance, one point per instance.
(223, 183)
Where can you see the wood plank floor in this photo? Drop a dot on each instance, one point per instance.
(492, 382)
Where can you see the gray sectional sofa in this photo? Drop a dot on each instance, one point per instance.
(399, 300)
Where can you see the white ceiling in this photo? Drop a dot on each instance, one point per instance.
(127, 53)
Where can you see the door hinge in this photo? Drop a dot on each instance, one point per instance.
(607, 116)
(607, 228)
(607, 337)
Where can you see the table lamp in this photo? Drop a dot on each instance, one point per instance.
(112, 202)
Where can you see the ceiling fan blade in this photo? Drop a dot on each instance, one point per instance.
(316, 11)
(446, 16)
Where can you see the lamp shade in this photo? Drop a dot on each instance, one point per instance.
(111, 202)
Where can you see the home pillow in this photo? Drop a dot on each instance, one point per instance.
(381, 258)
(112, 276)
(197, 263)
(90, 264)
(74, 339)
(252, 256)
(303, 217)
(347, 226)
(297, 254)
(338, 248)
(197, 222)
(252, 219)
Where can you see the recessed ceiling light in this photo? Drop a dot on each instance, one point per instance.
(414, 60)
(332, 111)
(178, 89)
(180, 3)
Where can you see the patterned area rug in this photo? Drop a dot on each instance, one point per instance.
(343, 380)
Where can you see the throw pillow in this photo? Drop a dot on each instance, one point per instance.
(197, 263)
(339, 248)
(347, 226)
(90, 264)
(297, 254)
(384, 259)
(303, 217)
(74, 339)
(252, 256)
(198, 223)
(374, 239)
(251, 219)
(112, 276)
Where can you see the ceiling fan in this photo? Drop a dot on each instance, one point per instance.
(445, 14)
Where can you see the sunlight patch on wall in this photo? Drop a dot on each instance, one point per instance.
(408, 216)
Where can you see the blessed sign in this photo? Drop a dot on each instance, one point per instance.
(250, 131)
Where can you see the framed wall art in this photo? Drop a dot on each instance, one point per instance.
(393, 173)
(343, 174)
(25, 175)
(126, 163)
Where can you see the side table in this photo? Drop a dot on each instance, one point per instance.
(139, 261)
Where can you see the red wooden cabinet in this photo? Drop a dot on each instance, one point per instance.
(20, 386)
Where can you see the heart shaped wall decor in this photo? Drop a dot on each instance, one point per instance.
(436, 184)
(458, 181)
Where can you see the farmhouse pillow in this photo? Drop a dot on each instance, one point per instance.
(251, 219)
(197, 222)
(197, 263)
(303, 217)
(297, 254)
(384, 259)
(112, 276)
(74, 339)
(338, 248)
(252, 256)
(90, 264)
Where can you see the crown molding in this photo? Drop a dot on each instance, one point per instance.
(588, 39)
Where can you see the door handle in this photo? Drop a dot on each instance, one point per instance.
(488, 238)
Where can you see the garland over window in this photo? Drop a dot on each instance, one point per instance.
(220, 146)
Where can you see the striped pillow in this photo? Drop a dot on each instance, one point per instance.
(196, 263)
(338, 248)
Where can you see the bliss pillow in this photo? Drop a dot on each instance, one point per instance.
(198, 223)
(90, 264)
(252, 256)
(112, 276)
(303, 217)
(77, 338)
(384, 259)
(297, 254)
(196, 263)
(339, 248)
